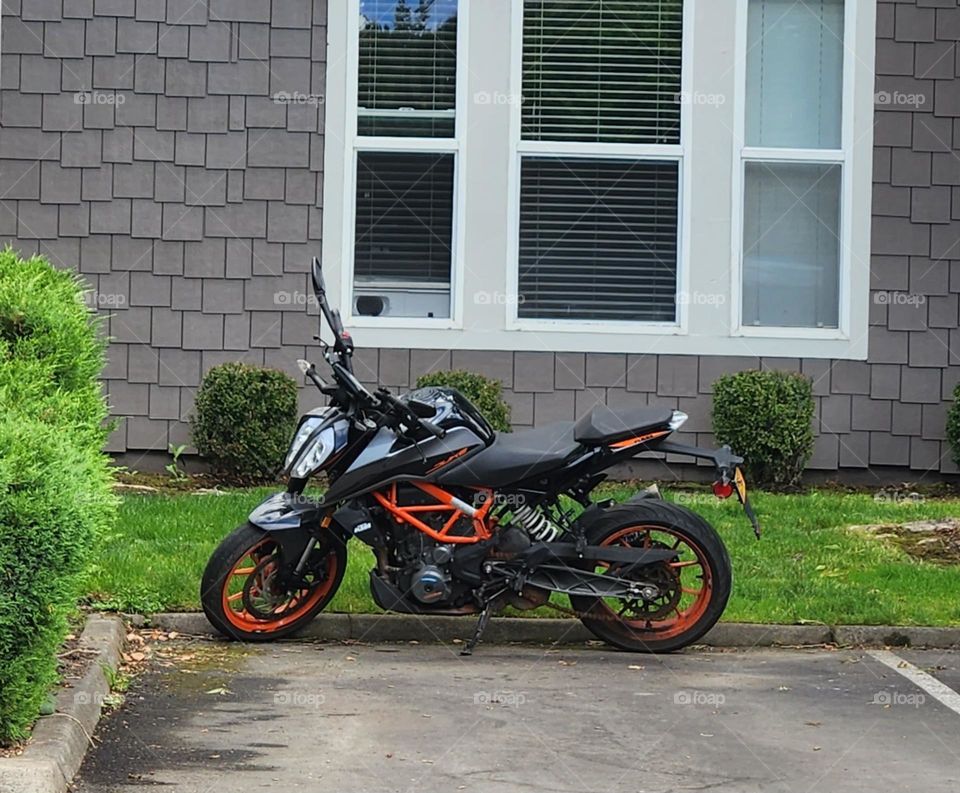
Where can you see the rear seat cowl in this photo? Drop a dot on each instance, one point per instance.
(604, 425)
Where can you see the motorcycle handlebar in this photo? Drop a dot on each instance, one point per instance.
(406, 414)
(433, 429)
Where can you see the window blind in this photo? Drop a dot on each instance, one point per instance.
(795, 74)
(404, 216)
(407, 68)
(602, 70)
(598, 239)
(791, 244)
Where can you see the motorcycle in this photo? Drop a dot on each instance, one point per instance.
(463, 520)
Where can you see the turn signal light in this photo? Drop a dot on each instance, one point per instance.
(721, 490)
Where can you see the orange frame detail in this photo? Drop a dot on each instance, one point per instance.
(446, 502)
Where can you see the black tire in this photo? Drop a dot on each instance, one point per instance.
(237, 546)
(655, 519)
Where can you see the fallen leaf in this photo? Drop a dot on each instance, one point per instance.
(219, 691)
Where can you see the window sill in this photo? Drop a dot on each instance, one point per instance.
(401, 323)
(593, 326)
(579, 337)
(769, 331)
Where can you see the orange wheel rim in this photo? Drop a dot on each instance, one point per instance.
(285, 612)
(692, 577)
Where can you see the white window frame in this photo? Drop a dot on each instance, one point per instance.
(843, 156)
(488, 148)
(678, 153)
(355, 144)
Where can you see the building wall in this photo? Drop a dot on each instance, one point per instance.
(183, 192)
(193, 208)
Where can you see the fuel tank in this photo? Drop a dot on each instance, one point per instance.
(388, 458)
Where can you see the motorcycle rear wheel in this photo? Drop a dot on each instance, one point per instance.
(694, 589)
(241, 599)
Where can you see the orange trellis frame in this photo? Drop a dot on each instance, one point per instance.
(445, 502)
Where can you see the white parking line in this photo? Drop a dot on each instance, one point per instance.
(942, 693)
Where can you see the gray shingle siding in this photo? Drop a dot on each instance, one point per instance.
(190, 200)
(173, 181)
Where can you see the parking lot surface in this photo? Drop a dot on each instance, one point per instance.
(355, 718)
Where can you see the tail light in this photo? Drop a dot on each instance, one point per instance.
(722, 489)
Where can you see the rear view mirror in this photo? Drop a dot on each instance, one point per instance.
(317, 272)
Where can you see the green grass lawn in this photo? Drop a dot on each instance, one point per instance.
(807, 567)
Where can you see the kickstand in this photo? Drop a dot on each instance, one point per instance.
(478, 632)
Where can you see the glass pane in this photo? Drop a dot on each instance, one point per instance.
(407, 80)
(602, 70)
(791, 245)
(404, 234)
(795, 74)
(598, 239)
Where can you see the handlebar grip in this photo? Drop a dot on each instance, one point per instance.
(433, 429)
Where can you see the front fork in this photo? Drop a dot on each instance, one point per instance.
(297, 523)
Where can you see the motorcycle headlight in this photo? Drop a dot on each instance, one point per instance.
(309, 450)
(315, 454)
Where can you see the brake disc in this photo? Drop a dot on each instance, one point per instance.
(259, 590)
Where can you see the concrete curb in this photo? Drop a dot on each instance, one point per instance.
(375, 628)
(60, 741)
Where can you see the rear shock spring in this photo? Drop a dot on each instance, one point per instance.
(537, 525)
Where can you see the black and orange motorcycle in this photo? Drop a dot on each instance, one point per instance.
(464, 520)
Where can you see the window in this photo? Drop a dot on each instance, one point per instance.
(404, 234)
(793, 164)
(625, 176)
(405, 158)
(600, 153)
(598, 239)
(791, 239)
(407, 74)
(602, 70)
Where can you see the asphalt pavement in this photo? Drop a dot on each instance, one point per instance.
(419, 718)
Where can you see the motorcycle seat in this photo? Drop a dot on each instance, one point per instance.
(603, 425)
(515, 456)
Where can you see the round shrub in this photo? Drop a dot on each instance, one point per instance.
(953, 425)
(766, 417)
(484, 392)
(244, 418)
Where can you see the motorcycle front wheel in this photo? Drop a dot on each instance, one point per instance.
(242, 597)
(693, 589)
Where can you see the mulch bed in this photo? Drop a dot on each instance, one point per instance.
(935, 541)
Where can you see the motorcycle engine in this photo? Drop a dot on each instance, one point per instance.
(428, 576)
